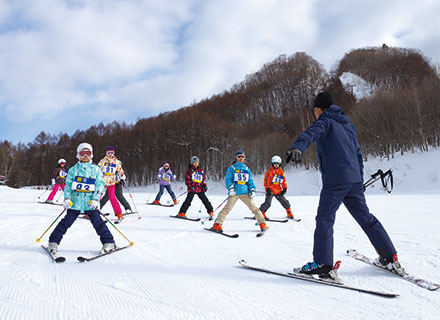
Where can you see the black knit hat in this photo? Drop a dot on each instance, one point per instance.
(323, 100)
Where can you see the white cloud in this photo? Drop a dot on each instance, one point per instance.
(142, 57)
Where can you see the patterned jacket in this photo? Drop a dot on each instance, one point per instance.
(60, 174)
(110, 166)
(195, 179)
(84, 183)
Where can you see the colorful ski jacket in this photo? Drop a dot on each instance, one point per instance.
(275, 180)
(195, 179)
(60, 174)
(84, 183)
(239, 176)
(110, 166)
(165, 176)
(339, 155)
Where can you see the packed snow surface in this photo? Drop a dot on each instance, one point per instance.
(177, 270)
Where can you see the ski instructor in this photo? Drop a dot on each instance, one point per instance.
(341, 166)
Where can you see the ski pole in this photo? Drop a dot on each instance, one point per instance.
(203, 220)
(179, 196)
(44, 192)
(131, 242)
(60, 195)
(132, 200)
(39, 239)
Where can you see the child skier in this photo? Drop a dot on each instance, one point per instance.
(165, 175)
(275, 185)
(110, 166)
(195, 180)
(58, 179)
(84, 185)
(240, 185)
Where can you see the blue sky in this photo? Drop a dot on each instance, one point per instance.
(66, 65)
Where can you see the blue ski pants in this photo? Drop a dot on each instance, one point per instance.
(170, 191)
(352, 196)
(71, 215)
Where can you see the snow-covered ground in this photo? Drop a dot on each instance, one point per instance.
(176, 270)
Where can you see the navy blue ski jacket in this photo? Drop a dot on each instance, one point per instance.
(339, 155)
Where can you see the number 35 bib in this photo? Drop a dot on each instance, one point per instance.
(241, 176)
(83, 184)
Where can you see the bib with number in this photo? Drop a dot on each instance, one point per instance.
(277, 179)
(109, 169)
(241, 176)
(63, 174)
(83, 184)
(197, 177)
(166, 177)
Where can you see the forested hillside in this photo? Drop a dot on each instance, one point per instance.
(262, 115)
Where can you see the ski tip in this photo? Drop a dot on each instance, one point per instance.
(60, 259)
(243, 262)
(81, 259)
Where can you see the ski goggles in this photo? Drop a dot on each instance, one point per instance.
(110, 153)
(241, 156)
(83, 153)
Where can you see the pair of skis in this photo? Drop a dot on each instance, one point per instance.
(234, 235)
(358, 256)
(276, 220)
(59, 259)
(160, 204)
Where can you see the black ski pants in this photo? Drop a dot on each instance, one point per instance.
(189, 199)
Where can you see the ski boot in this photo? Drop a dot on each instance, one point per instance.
(289, 214)
(156, 202)
(120, 217)
(211, 216)
(48, 201)
(391, 263)
(263, 226)
(217, 228)
(182, 215)
(107, 247)
(52, 247)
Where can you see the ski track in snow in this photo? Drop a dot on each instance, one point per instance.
(177, 270)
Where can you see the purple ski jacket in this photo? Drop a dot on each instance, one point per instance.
(165, 176)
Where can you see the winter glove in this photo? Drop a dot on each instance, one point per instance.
(174, 176)
(53, 182)
(268, 191)
(284, 191)
(294, 155)
(190, 189)
(67, 203)
(232, 192)
(252, 193)
(205, 188)
(94, 204)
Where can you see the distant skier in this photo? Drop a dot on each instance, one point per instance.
(58, 179)
(110, 166)
(341, 165)
(84, 185)
(276, 186)
(240, 186)
(165, 176)
(119, 182)
(195, 180)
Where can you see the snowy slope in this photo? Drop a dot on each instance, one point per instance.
(176, 270)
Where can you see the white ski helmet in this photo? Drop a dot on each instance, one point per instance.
(83, 146)
(276, 159)
(61, 161)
